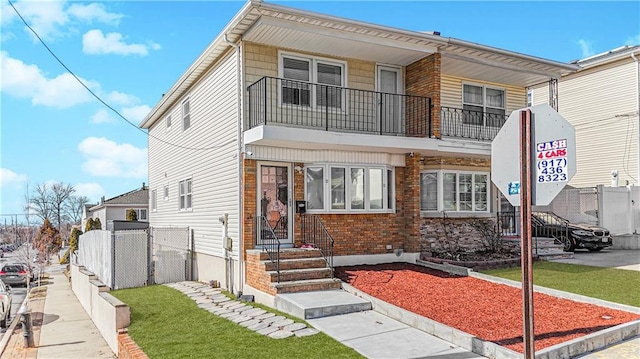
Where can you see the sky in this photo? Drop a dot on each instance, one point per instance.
(128, 53)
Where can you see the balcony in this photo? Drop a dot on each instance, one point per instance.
(476, 125)
(282, 102)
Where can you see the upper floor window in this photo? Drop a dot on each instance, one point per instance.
(184, 190)
(352, 188)
(166, 193)
(482, 105)
(311, 82)
(529, 98)
(154, 203)
(168, 122)
(454, 191)
(186, 115)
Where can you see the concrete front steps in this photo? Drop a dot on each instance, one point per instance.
(318, 304)
(301, 270)
(544, 248)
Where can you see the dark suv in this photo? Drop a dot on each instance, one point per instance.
(570, 235)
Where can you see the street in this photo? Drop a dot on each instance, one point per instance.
(18, 293)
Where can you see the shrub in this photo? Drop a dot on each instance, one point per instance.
(97, 224)
(65, 258)
(89, 225)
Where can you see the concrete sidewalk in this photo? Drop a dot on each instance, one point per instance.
(62, 329)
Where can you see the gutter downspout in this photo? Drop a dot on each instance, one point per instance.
(240, 155)
(633, 56)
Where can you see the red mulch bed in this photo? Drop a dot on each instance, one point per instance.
(492, 312)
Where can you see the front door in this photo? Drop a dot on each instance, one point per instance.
(275, 199)
(389, 104)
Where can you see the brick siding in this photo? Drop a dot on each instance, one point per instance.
(128, 349)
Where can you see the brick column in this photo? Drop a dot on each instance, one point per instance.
(411, 205)
(423, 79)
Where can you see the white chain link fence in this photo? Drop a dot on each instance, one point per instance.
(134, 258)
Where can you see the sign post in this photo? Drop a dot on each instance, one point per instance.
(555, 163)
(526, 254)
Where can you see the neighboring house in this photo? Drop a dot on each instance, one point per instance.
(377, 130)
(86, 214)
(602, 101)
(115, 209)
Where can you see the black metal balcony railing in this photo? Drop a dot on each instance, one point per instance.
(478, 125)
(275, 101)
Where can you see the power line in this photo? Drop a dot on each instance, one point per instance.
(101, 100)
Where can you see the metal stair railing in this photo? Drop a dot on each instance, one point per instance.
(267, 238)
(314, 232)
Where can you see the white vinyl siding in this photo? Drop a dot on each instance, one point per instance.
(451, 89)
(601, 104)
(215, 171)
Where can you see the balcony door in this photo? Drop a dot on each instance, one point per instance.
(389, 84)
(275, 198)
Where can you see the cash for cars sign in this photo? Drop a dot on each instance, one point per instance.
(554, 150)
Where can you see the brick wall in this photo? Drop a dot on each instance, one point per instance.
(249, 198)
(422, 78)
(128, 349)
(255, 273)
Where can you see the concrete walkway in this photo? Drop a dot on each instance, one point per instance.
(611, 258)
(62, 328)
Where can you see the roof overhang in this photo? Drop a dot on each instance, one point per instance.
(306, 31)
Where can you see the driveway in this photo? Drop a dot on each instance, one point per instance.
(612, 258)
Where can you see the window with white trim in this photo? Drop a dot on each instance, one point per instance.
(184, 197)
(483, 106)
(451, 191)
(186, 115)
(154, 196)
(168, 122)
(299, 73)
(166, 193)
(349, 188)
(141, 214)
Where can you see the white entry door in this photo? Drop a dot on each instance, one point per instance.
(389, 84)
(275, 198)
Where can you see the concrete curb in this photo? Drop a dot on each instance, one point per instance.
(14, 322)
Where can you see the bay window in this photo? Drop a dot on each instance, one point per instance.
(349, 188)
(454, 191)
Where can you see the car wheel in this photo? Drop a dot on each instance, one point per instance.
(595, 249)
(3, 322)
(567, 244)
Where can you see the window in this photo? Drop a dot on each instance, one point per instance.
(300, 73)
(352, 188)
(143, 215)
(184, 189)
(186, 115)
(153, 200)
(529, 98)
(454, 191)
(168, 122)
(483, 106)
(166, 193)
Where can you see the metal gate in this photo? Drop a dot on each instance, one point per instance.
(130, 262)
(171, 252)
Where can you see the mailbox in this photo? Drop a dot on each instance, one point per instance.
(301, 206)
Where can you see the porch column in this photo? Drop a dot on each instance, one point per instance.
(411, 205)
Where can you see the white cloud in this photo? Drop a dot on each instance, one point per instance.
(53, 19)
(91, 190)
(122, 99)
(105, 158)
(136, 113)
(94, 11)
(94, 42)
(586, 47)
(102, 116)
(10, 178)
(28, 81)
(633, 40)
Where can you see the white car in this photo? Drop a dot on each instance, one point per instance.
(5, 304)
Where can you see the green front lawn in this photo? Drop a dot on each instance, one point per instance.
(614, 285)
(167, 324)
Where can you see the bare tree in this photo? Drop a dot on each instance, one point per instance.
(60, 194)
(40, 202)
(74, 207)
